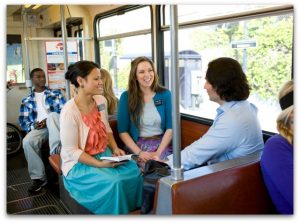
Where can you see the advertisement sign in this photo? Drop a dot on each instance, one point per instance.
(55, 62)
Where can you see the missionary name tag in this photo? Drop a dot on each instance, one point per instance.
(158, 102)
(101, 107)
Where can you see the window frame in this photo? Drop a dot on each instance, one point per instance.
(118, 11)
(257, 13)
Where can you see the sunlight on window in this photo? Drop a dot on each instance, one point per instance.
(266, 58)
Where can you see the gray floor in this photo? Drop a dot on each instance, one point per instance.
(19, 201)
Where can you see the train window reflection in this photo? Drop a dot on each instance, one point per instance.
(262, 45)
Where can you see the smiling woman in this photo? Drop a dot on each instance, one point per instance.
(85, 118)
(144, 113)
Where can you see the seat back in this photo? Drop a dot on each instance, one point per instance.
(230, 187)
(114, 127)
(239, 190)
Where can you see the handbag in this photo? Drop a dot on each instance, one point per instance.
(154, 170)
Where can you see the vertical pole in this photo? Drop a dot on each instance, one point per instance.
(177, 172)
(27, 67)
(245, 50)
(114, 54)
(65, 48)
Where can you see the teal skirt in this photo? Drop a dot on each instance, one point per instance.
(106, 190)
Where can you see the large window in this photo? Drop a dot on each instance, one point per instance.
(123, 37)
(262, 43)
(14, 64)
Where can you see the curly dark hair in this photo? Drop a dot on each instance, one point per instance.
(228, 79)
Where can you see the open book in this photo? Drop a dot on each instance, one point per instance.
(120, 158)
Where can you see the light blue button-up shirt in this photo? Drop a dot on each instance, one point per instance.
(235, 132)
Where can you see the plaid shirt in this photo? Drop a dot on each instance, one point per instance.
(54, 102)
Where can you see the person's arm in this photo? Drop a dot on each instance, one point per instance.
(62, 100)
(277, 167)
(59, 101)
(113, 145)
(219, 138)
(128, 141)
(104, 118)
(91, 161)
(167, 138)
(123, 128)
(24, 120)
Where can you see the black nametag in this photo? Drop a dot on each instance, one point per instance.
(158, 102)
(101, 107)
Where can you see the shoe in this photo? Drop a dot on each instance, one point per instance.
(37, 185)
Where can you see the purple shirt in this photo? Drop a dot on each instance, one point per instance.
(277, 168)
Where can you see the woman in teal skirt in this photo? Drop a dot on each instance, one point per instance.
(102, 186)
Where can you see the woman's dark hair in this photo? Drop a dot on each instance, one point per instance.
(79, 69)
(228, 79)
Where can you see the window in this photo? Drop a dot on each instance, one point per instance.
(14, 64)
(123, 37)
(261, 43)
(188, 13)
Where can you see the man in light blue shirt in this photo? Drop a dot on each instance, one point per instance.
(235, 131)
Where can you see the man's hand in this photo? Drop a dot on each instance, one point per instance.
(40, 125)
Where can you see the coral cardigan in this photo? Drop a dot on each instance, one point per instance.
(74, 132)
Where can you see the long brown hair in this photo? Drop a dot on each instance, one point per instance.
(284, 118)
(135, 95)
(108, 93)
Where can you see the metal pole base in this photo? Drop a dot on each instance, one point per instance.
(177, 174)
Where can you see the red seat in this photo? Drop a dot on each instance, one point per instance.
(54, 161)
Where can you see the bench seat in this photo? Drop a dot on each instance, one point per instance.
(54, 161)
(230, 187)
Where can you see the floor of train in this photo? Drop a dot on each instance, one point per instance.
(19, 201)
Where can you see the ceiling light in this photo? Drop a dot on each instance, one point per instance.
(36, 6)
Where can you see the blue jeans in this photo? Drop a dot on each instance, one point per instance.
(33, 142)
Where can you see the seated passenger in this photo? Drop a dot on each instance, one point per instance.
(277, 160)
(39, 116)
(235, 131)
(144, 113)
(111, 104)
(103, 187)
(108, 93)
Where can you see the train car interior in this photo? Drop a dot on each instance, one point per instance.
(260, 36)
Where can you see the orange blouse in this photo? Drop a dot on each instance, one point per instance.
(97, 139)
